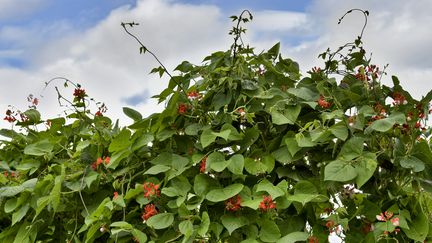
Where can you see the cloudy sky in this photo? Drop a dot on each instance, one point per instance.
(83, 41)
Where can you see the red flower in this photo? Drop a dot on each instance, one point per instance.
(35, 101)
(313, 239)
(233, 204)
(150, 190)
(395, 221)
(241, 111)
(115, 195)
(5, 173)
(330, 225)
(316, 70)
(203, 165)
(267, 204)
(10, 119)
(99, 161)
(107, 160)
(399, 99)
(182, 109)
(149, 211)
(98, 113)
(79, 93)
(192, 95)
(94, 166)
(323, 103)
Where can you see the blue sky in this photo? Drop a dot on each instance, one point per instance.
(82, 40)
(79, 15)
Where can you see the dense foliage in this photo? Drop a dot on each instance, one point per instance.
(247, 149)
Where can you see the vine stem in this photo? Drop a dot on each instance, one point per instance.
(152, 53)
(79, 192)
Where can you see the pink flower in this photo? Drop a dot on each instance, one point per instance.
(395, 221)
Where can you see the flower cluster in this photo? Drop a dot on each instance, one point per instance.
(323, 103)
(79, 93)
(150, 190)
(99, 161)
(193, 95)
(149, 211)
(313, 239)
(9, 116)
(386, 216)
(182, 109)
(101, 110)
(10, 174)
(399, 99)
(267, 203)
(233, 204)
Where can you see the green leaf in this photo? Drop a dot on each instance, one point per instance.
(411, 162)
(142, 238)
(219, 195)
(186, 227)
(39, 149)
(236, 164)
(122, 224)
(338, 170)
(193, 129)
(216, 161)
(19, 215)
(10, 205)
(131, 113)
(170, 192)
(156, 169)
(121, 141)
(292, 145)
(117, 157)
(269, 231)
(294, 237)
(259, 165)
(119, 200)
(142, 141)
(207, 137)
(10, 191)
(205, 223)
(279, 119)
(352, 148)
(203, 183)
(271, 189)
(161, 221)
(33, 116)
(339, 130)
(232, 222)
(365, 168)
(304, 93)
(383, 125)
(253, 203)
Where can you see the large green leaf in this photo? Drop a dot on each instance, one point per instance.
(365, 168)
(413, 163)
(294, 237)
(383, 125)
(219, 195)
(10, 191)
(121, 141)
(352, 148)
(269, 231)
(233, 222)
(267, 186)
(339, 170)
(40, 148)
(161, 221)
(236, 164)
(131, 113)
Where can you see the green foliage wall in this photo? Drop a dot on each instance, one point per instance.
(247, 149)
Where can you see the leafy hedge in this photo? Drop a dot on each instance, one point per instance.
(247, 149)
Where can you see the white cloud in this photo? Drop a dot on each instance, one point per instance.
(13, 9)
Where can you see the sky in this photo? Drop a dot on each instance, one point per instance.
(83, 41)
